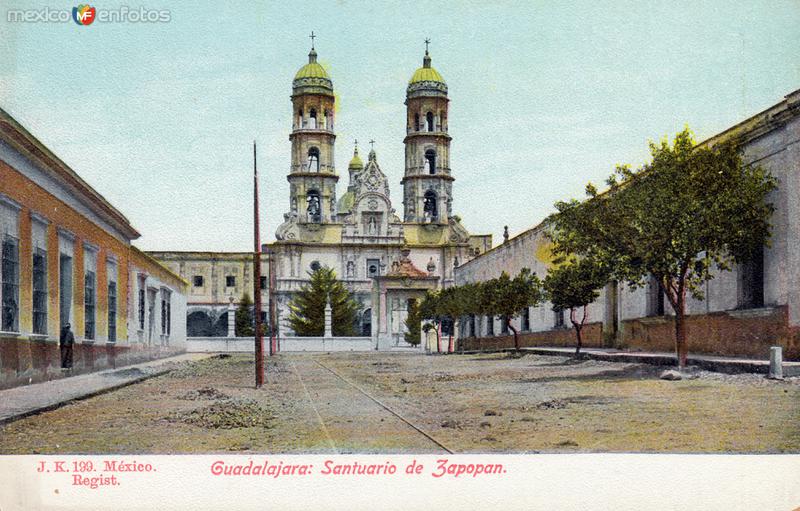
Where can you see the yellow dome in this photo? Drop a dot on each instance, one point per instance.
(345, 204)
(312, 78)
(356, 162)
(426, 73)
(312, 70)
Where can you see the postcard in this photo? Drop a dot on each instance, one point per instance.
(400, 255)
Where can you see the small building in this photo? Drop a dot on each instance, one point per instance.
(216, 280)
(745, 310)
(67, 258)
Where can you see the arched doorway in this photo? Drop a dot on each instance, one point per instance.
(198, 324)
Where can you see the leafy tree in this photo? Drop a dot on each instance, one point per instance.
(689, 209)
(413, 324)
(572, 286)
(429, 310)
(506, 298)
(307, 307)
(245, 327)
(450, 304)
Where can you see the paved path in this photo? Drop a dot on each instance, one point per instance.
(29, 399)
(712, 363)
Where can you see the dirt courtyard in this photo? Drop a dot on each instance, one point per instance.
(404, 403)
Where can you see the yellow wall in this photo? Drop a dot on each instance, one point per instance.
(33, 198)
(25, 268)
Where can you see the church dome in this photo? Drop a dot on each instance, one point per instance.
(312, 78)
(346, 202)
(356, 162)
(426, 73)
(313, 69)
(426, 78)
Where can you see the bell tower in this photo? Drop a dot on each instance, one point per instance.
(427, 183)
(312, 176)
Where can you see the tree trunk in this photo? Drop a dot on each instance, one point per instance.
(516, 334)
(438, 337)
(675, 288)
(450, 343)
(681, 347)
(578, 329)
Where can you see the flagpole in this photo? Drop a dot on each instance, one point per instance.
(259, 339)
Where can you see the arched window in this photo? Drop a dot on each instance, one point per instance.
(313, 206)
(312, 119)
(429, 120)
(416, 122)
(430, 161)
(300, 118)
(313, 159)
(430, 209)
(328, 121)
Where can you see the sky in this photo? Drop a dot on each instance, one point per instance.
(545, 96)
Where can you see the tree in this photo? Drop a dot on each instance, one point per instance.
(245, 327)
(506, 298)
(574, 285)
(429, 310)
(450, 304)
(688, 210)
(413, 323)
(307, 307)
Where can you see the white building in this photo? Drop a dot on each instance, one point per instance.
(745, 310)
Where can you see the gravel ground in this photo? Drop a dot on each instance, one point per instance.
(467, 403)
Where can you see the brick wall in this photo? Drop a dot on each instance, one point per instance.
(732, 333)
(592, 337)
(735, 333)
(24, 361)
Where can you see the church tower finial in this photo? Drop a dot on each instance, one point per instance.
(312, 55)
(426, 60)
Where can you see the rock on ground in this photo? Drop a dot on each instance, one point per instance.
(671, 375)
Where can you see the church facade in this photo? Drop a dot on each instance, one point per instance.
(360, 234)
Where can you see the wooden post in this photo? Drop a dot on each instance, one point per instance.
(259, 339)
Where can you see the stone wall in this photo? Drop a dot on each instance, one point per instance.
(25, 361)
(287, 344)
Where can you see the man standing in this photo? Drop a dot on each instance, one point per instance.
(66, 341)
